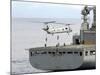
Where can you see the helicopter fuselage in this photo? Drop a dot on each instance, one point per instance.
(57, 30)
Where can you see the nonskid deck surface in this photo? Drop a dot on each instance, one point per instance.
(67, 47)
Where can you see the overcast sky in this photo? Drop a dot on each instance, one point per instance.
(43, 10)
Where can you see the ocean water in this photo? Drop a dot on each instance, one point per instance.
(27, 33)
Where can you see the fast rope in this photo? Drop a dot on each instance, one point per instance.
(57, 41)
(46, 39)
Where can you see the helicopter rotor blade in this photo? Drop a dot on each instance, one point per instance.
(43, 22)
(63, 24)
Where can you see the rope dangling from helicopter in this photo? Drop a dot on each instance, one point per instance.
(46, 39)
(58, 41)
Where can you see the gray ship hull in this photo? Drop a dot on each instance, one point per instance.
(71, 57)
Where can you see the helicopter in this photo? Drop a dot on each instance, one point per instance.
(52, 28)
(55, 30)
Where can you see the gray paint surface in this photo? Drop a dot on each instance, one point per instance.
(65, 61)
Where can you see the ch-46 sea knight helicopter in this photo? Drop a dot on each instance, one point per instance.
(65, 28)
(52, 27)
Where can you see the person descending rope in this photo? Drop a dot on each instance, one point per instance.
(64, 44)
(46, 42)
